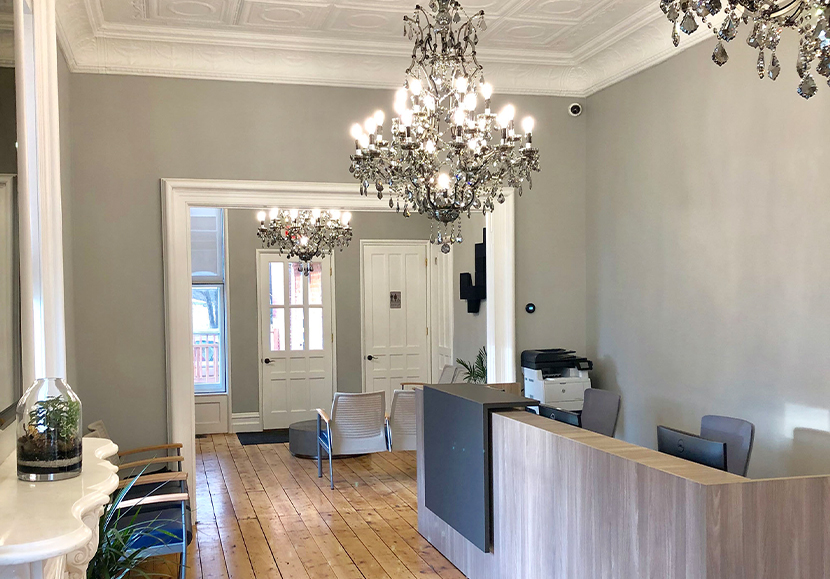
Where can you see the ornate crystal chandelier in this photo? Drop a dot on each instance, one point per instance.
(443, 159)
(305, 234)
(768, 18)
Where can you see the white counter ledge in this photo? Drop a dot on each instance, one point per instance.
(51, 528)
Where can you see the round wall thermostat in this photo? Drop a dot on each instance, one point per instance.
(530, 308)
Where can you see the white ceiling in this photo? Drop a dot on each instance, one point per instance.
(552, 47)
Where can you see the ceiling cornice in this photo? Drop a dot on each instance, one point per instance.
(92, 45)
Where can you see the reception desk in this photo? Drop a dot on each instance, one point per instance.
(571, 504)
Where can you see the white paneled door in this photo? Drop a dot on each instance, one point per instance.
(395, 316)
(296, 339)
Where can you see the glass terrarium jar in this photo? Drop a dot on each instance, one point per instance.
(48, 432)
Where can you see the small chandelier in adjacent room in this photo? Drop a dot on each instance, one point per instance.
(768, 19)
(305, 234)
(448, 153)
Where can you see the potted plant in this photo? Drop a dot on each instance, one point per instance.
(475, 371)
(119, 531)
(49, 432)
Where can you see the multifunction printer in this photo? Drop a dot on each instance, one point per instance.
(556, 377)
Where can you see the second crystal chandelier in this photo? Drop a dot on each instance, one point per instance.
(444, 159)
(305, 234)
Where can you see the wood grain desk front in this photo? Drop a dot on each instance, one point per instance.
(572, 504)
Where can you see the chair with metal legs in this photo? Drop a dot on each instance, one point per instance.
(357, 425)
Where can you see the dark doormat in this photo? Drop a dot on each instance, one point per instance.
(279, 436)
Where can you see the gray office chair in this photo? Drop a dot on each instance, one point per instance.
(738, 435)
(600, 411)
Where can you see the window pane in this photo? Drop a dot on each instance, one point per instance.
(207, 252)
(297, 329)
(295, 285)
(208, 346)
(277, 284)
(277, 330)
(315, 328)
(315, 285)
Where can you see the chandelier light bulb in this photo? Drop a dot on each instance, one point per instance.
(443, 181)
(406, 118)
(430, 147)
(461, 84)
(370, 126)
(527, 125)
(357, 131)
(274, 213)
(346, 218)
(335, 214)
(260, 216)
(470, 101)
(487, 90)
(293, 213)
(509, 112)
(380, 116)
(416, 87)
(364, 141)
(400, 107)
(315, 213)
(401, 95)
(429, 102)
(304, 240)
(460, 116)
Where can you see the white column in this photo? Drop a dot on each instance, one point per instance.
(501, 292)
(39, 190)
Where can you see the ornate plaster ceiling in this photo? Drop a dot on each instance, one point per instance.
(551, 47)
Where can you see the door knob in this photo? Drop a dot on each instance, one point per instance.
(267, 360)
(370, 357)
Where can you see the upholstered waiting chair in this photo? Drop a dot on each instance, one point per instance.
(600, 411)
(401, 421)
(738, 435)
(357, 425)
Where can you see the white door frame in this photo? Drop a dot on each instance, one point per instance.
(330, 261)
(390, 243)
(178, 195)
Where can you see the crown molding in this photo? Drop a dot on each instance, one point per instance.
(92, 45)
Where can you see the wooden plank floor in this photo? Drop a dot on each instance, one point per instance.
(263, 513)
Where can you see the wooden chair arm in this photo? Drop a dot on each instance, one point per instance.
(324, 415)
(176, 446)
(154, 500)
(412, 384)
(149, 461)
(153, 479)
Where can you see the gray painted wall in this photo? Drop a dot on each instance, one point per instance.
(242, 246)
(470, 330)
(128, 132)
(708, 219)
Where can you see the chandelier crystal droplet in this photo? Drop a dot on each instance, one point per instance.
(306, 235)
(766, 20)
(448, 153)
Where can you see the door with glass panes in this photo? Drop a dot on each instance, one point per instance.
(296, 339)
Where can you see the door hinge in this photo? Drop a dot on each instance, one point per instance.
(426, 262)
(427, 331)
(332, 337)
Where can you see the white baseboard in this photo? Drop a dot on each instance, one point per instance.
(246, 422)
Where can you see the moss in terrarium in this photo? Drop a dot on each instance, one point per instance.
(51, 432)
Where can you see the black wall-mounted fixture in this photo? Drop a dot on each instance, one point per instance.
(530, 308)
(473, 293)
